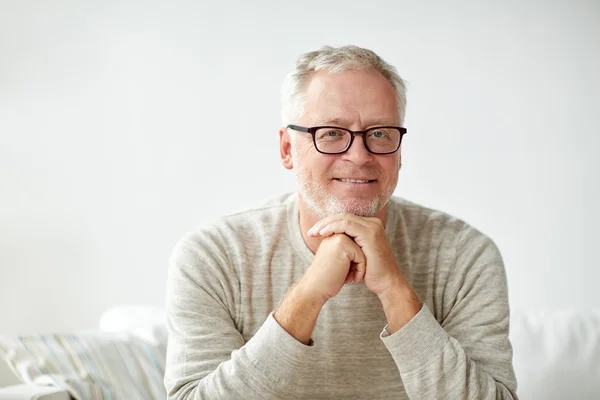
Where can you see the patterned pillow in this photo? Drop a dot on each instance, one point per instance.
(90, 365)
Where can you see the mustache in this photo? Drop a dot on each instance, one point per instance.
(372, 173)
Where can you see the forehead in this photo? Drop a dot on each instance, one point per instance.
(350, 98)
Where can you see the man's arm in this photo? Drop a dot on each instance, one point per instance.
(298, 313)
(206, 354)
(469, 354)
(207, 357)
(339, 260)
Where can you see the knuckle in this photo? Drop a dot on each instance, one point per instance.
(375, 235)
(376, 221)
(335, 239)
(341, 238)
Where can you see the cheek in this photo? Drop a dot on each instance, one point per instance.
(319, 165)
(322, 167)
(314, 165)
(301, 155)
(390, 168)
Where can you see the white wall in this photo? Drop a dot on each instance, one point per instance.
(112, 119)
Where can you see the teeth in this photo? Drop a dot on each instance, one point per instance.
(354, 180)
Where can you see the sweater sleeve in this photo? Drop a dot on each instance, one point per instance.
(468, 355)
(207, 357)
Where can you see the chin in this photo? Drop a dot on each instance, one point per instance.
(325, 203)
(360, 207)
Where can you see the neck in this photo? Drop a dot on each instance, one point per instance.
(308, 218)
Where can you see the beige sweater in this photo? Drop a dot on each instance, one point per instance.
(226, 278)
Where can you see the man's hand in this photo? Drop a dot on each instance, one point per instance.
(382, 270)
(338, 260)
(382, 276)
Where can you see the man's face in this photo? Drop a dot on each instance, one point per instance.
(355, 100)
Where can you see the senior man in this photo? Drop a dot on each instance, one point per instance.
(339, 290)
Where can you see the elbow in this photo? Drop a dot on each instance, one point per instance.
(180, 391)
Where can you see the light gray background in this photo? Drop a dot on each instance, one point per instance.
(125, 124)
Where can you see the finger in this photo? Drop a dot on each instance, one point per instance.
(351, 273)
(347, 226)
(375, 220)
(357, 276)
(349, 277)
(360, 265)
(314, 231)
(324, 234)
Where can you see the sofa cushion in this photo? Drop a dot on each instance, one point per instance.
(33, 392)
(90, 365)
(556, 354)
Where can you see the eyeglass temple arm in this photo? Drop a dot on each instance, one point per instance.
(299, 128)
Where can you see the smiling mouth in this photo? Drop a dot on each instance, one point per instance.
(346, 180)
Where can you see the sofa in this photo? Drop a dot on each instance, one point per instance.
(556, 356)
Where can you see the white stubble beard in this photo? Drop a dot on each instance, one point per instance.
(324, 204)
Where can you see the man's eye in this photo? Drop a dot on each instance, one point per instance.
(379, 134)
(330, 134)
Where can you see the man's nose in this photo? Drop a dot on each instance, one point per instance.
(358, 153)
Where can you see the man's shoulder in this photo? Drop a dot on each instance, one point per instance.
(250, 224)
(428, 223)
(269, 212)
(418, 214)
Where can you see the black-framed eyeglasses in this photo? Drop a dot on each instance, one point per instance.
(336, 140)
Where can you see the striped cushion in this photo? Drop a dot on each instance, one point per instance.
(90, 365)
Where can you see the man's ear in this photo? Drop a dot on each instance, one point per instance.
(285, 148)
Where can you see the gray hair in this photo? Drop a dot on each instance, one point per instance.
(334, 60)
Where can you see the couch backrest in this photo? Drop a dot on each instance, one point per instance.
(556, 353)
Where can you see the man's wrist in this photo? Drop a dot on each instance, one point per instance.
(298, 312)
(400, 304)
(303, 291)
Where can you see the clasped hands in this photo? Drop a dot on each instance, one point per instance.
(357, 248)
(353, 248)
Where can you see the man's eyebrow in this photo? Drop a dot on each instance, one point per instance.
(342, 123)
(331, 121)
(381, 122)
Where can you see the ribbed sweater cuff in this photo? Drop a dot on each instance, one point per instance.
(278, 354)
(416, 343)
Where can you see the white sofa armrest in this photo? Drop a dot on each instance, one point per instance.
(33, 392)
(7, 375)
